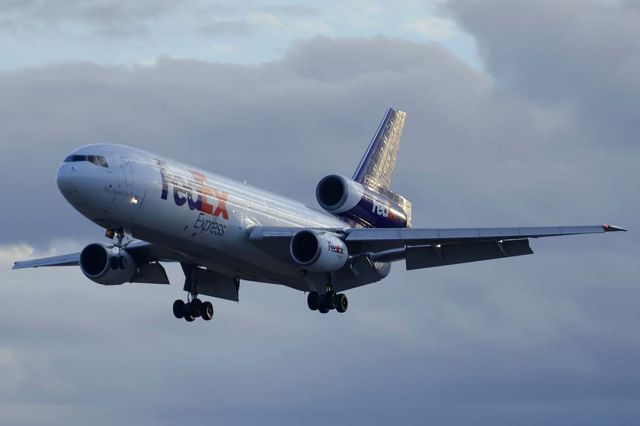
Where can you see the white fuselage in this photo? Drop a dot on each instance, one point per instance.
(204, 216)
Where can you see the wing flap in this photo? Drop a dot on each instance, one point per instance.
(417, 257)
(152, 273)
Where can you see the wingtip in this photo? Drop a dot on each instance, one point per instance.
(613, 228)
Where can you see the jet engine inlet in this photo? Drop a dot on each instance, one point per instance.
(320, 252)
(104, 265)
(337, 194)
(351, 200)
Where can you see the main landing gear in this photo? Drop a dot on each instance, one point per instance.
(323, 303)
(193, 309)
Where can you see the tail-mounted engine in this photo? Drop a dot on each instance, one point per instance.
(318, 251)
(349, 199)
(105, 265)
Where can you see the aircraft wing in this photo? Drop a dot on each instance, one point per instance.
(374, 239)
(142, 251)
(427, 248)
(430, 247)
(420, 248)
(64, 260)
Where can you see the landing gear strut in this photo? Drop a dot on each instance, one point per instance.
(121, 239)
(193, 307)
(323, 303)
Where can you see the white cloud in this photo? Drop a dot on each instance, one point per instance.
(363, 14)
(11, 253)
(309, 27)
(223, 49)
(22, 251)
(431, 27)
(265, 20)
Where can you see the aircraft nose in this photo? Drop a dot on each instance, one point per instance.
(66, 179)
(81, 184)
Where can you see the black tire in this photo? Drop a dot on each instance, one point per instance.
(343, 303)
(312, 300)
(331, 300)
(323, 309)
(195, 307)
(179, 309)
(206, 311)
(189, 318)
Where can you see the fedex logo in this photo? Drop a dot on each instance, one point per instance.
(334, 248)
(185, 191)
(380, 209)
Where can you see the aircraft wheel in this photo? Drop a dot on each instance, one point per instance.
(331, 300)
(323, 309)
(206, 311)
(312, 300)
(178, 309)
(189, 318)
(343, 303)
(195, 307)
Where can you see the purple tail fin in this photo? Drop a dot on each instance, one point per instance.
(379, 161)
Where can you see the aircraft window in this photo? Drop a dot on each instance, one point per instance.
(102, 162)
(98, 160)
(73, 158)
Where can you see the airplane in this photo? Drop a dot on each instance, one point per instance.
(222, 232)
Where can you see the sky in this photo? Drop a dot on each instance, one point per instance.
(518, 113)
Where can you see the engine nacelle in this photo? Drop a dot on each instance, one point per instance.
(318, 251)
(103, 265)
(347, 198)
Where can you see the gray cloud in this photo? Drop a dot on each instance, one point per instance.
(273, 16)
(295, 10)
(111, 17)
(227, 27)
(584, 55)
(549, 338)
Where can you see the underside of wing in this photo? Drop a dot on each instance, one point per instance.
(141, 251)
(429, 247)
(426, 248)
(429, 256)
(367, 239)
(63, 260)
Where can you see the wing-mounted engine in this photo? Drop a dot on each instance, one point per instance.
(104, 265)
(318, 251)
(379, 208)
(109, 266)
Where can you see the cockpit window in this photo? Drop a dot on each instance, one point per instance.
(73, 158)
(98, 160)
